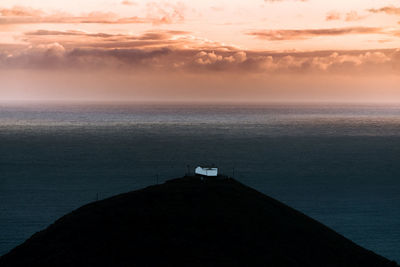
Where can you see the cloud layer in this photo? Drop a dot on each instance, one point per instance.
(391, 10)
(349, 16)
(179, 51)
(157, 13)
(286, 49)
(280, 35)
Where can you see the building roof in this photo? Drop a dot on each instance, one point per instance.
(206, 171)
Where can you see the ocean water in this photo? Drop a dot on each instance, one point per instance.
(339, 164)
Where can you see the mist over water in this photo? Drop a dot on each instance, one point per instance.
(336, 163)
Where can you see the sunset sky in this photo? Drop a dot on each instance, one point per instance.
(254, 50)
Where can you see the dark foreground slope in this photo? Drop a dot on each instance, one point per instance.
(189, 222)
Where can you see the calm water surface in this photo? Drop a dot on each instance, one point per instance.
(338, 164)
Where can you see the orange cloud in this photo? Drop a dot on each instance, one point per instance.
(68, 33)
(390, 10)
(156, 51)
(165, 12)
(272, 1)
(150, 39)
(151, 35)
(181, 51)
(128, 3)
(349, 16)
(353, 16)
(156, 14)
(20, 11)
(333, 15)
(168, 66)
(279, 35)
(217, 8)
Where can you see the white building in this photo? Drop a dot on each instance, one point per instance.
(205, 171)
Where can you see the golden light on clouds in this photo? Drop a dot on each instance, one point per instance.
(233, 50)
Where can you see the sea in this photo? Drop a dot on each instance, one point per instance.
(337, 163)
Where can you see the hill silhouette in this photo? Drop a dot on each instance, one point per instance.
(190, 222)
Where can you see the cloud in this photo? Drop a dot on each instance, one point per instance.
(273, 1)
(39, 16)
(128, 3)
(156, 14)
(390, 10)
(209, 58)
(65, 33)
(41, 56)
(150, 35)
(353, 16)
(279, 35)
(333, 15)
(166, 13)
(20, 11)
(150, 40)
(336, 61)
(168, 58)
(132, 57)
(217, 8)
(204, 58)
(56, 56)
(168, 51)
(349, 16)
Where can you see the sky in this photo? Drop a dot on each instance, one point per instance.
(220, 50)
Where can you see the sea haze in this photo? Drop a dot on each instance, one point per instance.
(336, 163)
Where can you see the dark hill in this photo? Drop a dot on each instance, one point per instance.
(189, 222)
